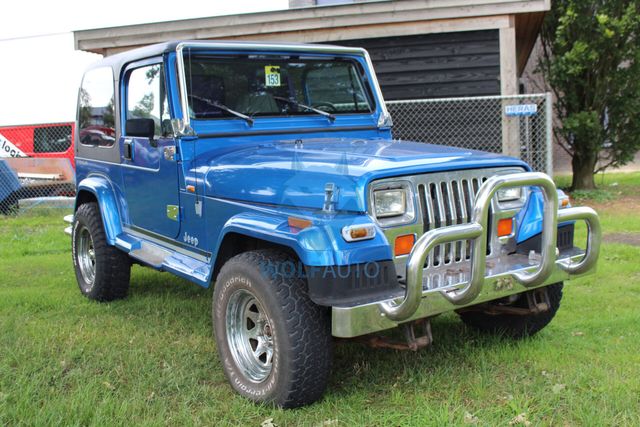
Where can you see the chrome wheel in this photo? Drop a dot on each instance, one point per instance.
(249, 335)
(86, 256)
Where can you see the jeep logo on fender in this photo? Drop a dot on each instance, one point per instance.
(190, 239)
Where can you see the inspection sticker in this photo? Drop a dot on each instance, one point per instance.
(272, 75)
(521, 110)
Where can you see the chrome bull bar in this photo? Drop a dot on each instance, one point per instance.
(476, 231)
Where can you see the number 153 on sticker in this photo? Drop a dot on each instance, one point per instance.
(272, 75)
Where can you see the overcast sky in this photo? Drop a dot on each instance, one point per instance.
(39, 69)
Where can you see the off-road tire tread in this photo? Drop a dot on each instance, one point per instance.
(112, 275)
(515, 326)
(309, 327)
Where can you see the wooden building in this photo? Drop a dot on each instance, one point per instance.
(420, 48)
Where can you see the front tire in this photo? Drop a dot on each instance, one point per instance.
(274, 342)
(102, 270)
(516, 325)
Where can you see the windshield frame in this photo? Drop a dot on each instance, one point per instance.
(233, 71)
(182, 126)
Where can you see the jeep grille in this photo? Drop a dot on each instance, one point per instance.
(447, 199)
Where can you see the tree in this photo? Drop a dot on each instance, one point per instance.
(144, 108)
(591, 61)
(84, 116)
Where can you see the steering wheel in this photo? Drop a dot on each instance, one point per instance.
(325, 106)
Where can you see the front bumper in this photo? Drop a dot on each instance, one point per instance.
(433, 291)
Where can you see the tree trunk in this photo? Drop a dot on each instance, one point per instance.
(583, 165)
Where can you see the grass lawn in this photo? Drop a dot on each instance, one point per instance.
(151, 359)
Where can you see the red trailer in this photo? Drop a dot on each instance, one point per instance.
(47, 140)
(36, 161)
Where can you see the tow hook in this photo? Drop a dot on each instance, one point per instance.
(537, 302)
(417, 335)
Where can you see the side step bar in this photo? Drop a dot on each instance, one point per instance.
(159, 257)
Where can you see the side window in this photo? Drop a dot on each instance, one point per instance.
(96, 114)
(52, 139)
(147, 97)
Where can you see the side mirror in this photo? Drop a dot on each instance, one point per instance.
(143, 128)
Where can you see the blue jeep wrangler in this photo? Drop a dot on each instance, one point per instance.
(270, 170)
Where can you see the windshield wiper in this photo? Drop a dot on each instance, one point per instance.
(215, 104)
(329, 116)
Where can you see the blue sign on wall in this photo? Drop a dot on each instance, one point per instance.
(521, 110)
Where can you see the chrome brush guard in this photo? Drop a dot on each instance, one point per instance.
(478, 286)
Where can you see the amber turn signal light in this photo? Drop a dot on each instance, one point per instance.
(354, 233)
(505, 227)
(298, 223)
(358, 233)
(404, 244)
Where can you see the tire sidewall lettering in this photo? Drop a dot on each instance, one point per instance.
(240, 382)
(74, 237)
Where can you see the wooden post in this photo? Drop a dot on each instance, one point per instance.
(509, 86)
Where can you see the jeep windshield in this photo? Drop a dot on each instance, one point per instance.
(275, 86)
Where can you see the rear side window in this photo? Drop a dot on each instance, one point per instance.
(52, 139)
(96, 113)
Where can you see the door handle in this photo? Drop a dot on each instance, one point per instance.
(128, 149)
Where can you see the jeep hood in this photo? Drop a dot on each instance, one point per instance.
(295, 174)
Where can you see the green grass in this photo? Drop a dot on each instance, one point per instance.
(151, 359)
(611, 186)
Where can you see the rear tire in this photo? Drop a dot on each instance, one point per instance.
(274, 343)
(516, 326)
(102, 270)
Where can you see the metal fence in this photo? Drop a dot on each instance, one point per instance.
(36, 166)
(515, 125)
